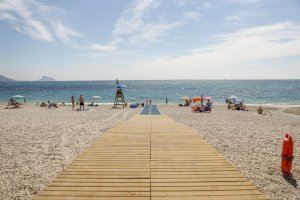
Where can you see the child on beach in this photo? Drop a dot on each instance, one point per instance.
(73, 102)
(81, 102)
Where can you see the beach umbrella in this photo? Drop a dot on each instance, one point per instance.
(233, 97)
(185, 98)
(234, 100)
(18, 97)
(208, 98)
(96, 97)
(197, 99)
(121, 86)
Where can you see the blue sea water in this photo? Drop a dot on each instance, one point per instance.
(251, 91)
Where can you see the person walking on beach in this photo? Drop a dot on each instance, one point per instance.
(73, 102)
(81, 102)
(166, 101)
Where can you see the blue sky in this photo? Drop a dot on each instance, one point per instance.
(150, 39)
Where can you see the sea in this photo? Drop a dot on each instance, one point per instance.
(251, 91)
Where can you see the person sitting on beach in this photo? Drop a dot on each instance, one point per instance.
(260, 110)
(187, 102)
(11, 102)
(73, 102)
(81, 102)
(208, 106)
(243, 108)
(52, 105)
(119, 93)
(43, 104)
(16, 105)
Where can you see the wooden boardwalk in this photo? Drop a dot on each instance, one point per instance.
(150, 157)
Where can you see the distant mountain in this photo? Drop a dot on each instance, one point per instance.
(5, 79)
(46, 78)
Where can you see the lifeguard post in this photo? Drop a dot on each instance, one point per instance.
(119, 95)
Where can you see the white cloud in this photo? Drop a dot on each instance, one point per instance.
(181, 3)
(22, 19)
(65, 33)
(99, 47)
(37, 20)
(109, 47)
(234, 18)
(242, 14)
(151, 32)
(148, 20)
(244, 1)
(6, 16)
(131, 18)
(193, 15)
(234, 50)
(206, 6)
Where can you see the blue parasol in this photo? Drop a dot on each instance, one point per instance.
(121, 86)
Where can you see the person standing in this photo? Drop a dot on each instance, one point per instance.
(166, 101)
(81, 102)
(73, 102)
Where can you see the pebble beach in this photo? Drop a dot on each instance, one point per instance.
(36, 143)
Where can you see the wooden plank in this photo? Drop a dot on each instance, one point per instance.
(100, 189)
(91, 184)
(205, 193)
(105, 176)
(107, 173)
(195, 184)
(184, 180)
(95, 194)
(101, 180)
(121, 169)
(197, 173)
(203, 188)
(193, 176)
(227, 197)
(90, 198)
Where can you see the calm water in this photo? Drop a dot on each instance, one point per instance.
(252, 91)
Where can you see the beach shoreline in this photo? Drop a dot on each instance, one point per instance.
(285, 109)
(279, 105)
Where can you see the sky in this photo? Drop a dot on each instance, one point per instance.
(150, 39)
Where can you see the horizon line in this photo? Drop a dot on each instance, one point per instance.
(225, 79)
